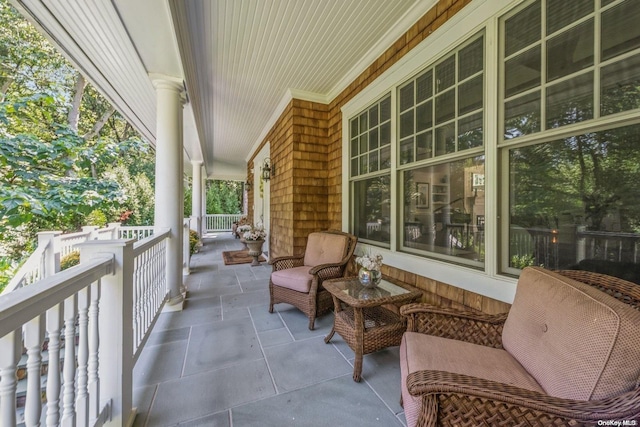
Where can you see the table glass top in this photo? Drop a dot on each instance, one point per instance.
(354, 289)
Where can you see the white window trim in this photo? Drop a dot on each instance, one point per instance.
(474, 17)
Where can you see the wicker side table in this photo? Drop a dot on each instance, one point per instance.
(363, 323)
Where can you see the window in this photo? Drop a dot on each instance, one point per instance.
(370, 134)
(440, 111)
(573, 198)
(515, 145)
(370, 154)
(372, 209)
(563, 65)
(441, 119)
(444, 207)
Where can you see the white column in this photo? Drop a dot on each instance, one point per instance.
(196, 197)
(169, 212)
(204, 204)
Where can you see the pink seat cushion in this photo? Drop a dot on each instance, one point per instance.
(325, 248)
(426, 352)
(296, 278)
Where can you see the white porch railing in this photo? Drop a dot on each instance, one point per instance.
(53, 306)
(149, 286)
(107, 305)
(220, 222)
(53, 245)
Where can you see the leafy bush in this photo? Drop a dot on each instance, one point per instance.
(193, 241)
(7, 268)
(70, 260)
(97, 218)
(522, 261)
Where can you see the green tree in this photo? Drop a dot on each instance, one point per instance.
(224, 197)
(64, 150)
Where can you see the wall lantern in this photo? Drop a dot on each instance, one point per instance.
(267, 169)
(247, 185)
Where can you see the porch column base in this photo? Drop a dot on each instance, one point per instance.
(132, 417)
(174, 304)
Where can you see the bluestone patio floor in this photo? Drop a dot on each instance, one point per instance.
(225, 361)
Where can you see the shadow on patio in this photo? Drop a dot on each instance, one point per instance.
(225, 361)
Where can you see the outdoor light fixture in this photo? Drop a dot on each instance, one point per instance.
(247, 185)
(267, 169)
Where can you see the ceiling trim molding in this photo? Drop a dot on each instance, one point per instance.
(411, 16)
(309, 96)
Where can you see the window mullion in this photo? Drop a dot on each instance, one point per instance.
(597, 57)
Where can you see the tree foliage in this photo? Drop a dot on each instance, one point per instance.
(64, 150)
(224, 197)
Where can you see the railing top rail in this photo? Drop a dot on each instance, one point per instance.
(72, 236)
(24, 304)
(30, 265)
(142, 245)
(609, 234)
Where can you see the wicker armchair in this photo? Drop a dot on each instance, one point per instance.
(444, 397)
(297, 280)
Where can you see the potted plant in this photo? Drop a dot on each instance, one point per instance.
(369, 273)
(254, 239)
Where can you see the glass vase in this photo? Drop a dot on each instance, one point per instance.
(369, 278)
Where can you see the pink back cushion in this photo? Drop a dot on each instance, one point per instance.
(325, 248)
(577, 342)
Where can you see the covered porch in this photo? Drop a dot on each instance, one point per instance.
(225, 361)
(420, 173)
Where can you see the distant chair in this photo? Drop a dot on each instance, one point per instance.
(297, 280)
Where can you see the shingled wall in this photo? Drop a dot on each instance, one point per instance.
(306, 148)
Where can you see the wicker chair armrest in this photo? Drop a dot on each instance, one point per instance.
(622, 407)
(327, 271)
(474, 327)
(284, 262)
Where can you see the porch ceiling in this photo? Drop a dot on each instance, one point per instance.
(241, 60)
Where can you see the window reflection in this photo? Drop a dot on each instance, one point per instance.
(575, 202)
(444, 209)
(371, 208)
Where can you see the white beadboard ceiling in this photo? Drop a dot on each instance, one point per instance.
(241, 60)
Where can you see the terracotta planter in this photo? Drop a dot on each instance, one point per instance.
(255, 250)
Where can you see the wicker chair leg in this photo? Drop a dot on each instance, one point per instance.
(429, 413)
(270, 297)
(312, 321)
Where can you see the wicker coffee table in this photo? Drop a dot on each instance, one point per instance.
(361, 320)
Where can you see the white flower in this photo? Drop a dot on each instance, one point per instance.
(255, 233)
(370, 262)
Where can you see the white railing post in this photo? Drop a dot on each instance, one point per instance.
(69, 370)
(92, 230)
(115, 226)
(33, 339)
(51, 264)
(10, 349)
(54, 325)
(115, 326)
